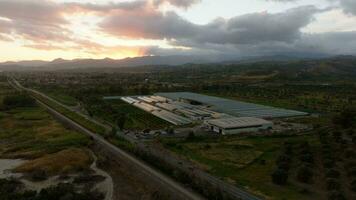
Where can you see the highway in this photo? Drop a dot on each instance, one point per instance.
(175, 187)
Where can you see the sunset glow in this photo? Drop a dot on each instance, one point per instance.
(49, 29)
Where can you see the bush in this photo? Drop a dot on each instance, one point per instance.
(332, 184)
(349, 153)
(283, 158)
(307, 158)
(20, 100)
(332, 173)
(346, 118)
(284, 165)
(191, 136)
(353, 185)
(336, 195)
(38, 175)
(350, 164)
(305, 174)
(280, 177)
(328, 163)
(352, 171)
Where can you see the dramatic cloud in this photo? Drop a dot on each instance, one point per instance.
(251, 28)
(349, 6)
(178, 3)
(35, 20)
(91, 27)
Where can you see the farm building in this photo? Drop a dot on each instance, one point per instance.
(235, 125)
(232, 107)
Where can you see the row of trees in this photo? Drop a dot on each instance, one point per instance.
(291, 151)
(18, 100)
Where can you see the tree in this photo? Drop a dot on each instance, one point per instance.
(191, 136)
(113, 131)
(307, 158)
(353, 185)
(346, 118)
(19, 100)
(332, 173)
(121, 120)
(336, 195)
(332, 184)
(305, 174)
(280, 177)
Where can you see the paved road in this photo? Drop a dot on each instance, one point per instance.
(175, 187)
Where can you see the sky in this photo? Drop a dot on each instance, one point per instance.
(71, 29)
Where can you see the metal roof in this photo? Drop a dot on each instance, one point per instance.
(233, 107)
(238, 122)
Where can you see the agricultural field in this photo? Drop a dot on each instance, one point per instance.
(62, 97)
(247, 162)
(42, 147)
(132, 118)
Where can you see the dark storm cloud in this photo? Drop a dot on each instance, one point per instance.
(332, 43)
(178, 3)
(349, 6)
(44, 22)
(250, 28)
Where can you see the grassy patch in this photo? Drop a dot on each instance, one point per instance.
(31, 132)
(137, 119)
(72, 115)
(65, 161)
(243, 161)
(63, 98)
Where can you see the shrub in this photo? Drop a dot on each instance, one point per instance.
(284, 158)
(351, 172)
(328, 163)
(349, 153)
(20, 100)
(305, 174)
(350, 164)
(191, 136)
(307, 158)
(353, 185)
(38, 175)
(332, 184)
(280, 177)
(346, 118)
(284, 165)
(332, 173)
(336, 195)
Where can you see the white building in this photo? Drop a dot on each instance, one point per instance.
(235, 125)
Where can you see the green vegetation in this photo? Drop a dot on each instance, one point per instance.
(28, 131)
(316, 165)
(11, 190)
(72, 115)
(19, 100)
(62, 162)
(116, 111)
(62, 97)
(244, 161)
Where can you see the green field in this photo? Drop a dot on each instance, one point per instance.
(136, 119)
(72, 115)
(63, 98)
(243, 161)
(29, 132)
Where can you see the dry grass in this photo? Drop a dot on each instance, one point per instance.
(66, 161)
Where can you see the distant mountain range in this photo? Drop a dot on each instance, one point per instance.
(61, 64)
